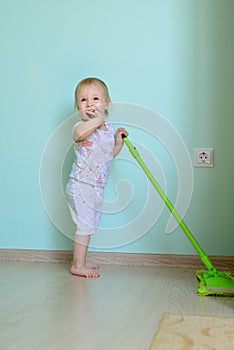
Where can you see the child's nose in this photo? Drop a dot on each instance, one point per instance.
(89, 102)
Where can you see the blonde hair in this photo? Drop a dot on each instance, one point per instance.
(90, 81)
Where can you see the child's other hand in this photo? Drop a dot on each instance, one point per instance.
(119, 133)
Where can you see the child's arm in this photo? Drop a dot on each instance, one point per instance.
(119, 140)
(85, 129)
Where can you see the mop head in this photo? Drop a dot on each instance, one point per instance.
(215, 283)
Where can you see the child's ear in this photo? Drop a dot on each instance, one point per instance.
(106, 111)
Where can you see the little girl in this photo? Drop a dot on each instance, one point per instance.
(95, 145)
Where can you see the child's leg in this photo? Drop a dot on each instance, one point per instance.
(81, 199)
(79, 266)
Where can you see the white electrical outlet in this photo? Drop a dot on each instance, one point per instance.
(204, 157)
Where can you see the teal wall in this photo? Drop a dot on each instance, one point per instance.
(171, 56)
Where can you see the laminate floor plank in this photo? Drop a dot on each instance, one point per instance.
(44, 307)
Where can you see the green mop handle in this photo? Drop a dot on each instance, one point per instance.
(166, 200)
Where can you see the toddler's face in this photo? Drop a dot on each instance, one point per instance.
(92, 101)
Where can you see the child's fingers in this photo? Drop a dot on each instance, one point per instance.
(122, 131)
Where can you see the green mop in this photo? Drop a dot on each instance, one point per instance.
(211, 282)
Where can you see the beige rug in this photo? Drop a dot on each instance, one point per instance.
(187, 332)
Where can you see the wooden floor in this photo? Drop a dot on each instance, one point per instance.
(43, 307)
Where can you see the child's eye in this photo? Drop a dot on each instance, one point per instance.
(96, 98)
(83, 100)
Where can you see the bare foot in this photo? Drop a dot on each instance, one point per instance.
(92, 265)
(84, 271)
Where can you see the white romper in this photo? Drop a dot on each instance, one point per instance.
(88, 178)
